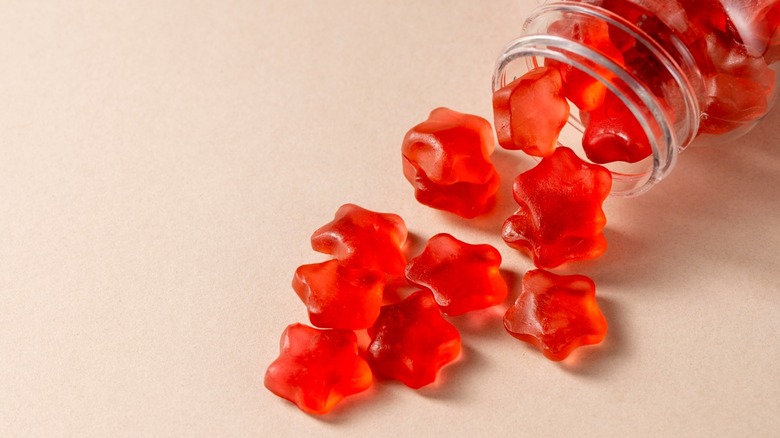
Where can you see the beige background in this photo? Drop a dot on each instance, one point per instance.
(164, 163)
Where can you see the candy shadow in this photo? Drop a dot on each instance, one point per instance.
(599, 360)
(488, 323)
(705, 217)
(621, 252)
(375, 398)
(452, 381)
(413, 246)
(513, 284)
(483, 324)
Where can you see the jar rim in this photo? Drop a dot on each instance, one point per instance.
(665, 144)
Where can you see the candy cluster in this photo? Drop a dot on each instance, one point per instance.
(559, 218)
(409, 341)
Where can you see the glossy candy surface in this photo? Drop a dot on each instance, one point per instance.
(612, 133)
(337, 296)
(462, 277)
(731, 43)
(447, 160)
(317, 368)
(580, 88)
(556, 314)
(411, 341)
(531, 111)
(364, 239)
(560, 217)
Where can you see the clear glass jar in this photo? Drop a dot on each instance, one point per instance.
(690, 71)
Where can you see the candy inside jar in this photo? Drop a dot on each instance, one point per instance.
(642, 80)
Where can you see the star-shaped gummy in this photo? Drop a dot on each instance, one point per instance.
(556, 314)
(447, 160)
(612, 133)
(530, 112)
(337, 296)
(316, 368)
(364, 239)
(411, 341)
(462, 277)
(560, 216)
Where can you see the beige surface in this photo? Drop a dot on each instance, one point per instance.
(164, 163)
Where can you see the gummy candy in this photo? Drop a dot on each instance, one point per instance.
(767, 38)
(579, 87)
(411, 341)
(520, 232)
(560, 217)
(462, 277)
(737, 86)
(364, 239)
(589, 31)
(447, 160)
(316, 368)
(732, 101)
(612, 133)
(531, 111)
(731, 44)
(556, 314)
(337, 296)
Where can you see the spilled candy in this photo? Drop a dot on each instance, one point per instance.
(316, 368)
(337, 296)
(364, 239)
(560, 217)
(531, 111)
(447, 160)
(556, 314)
(462, 277)
(411, 341)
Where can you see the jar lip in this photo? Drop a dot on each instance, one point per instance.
(533, 46)
(668, 138)
(661, 54)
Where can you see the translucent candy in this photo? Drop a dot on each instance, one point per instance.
(339, 297)
(447, 160)
(612, 133)
(316, 368)
(556, 314)
(462, 277)
(560, 217)
(579, 87)
(411, 341)
(531, 111)
(365, 239)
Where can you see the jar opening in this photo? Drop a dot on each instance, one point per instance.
(666, 115)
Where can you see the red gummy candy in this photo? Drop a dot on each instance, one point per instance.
(364, 239)
(531, 111)
(560, 217)
(707, 16)
(316, 369)
(447, 160)
(733, 101)
(411, 341)
(589, 31)
(556, 314)
(767, 19)
(462, 277)
(579, 87)
(612, 133)
(337, 296)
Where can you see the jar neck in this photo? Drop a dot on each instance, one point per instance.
(661, 91)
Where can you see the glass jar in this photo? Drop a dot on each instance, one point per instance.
(689, 71)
